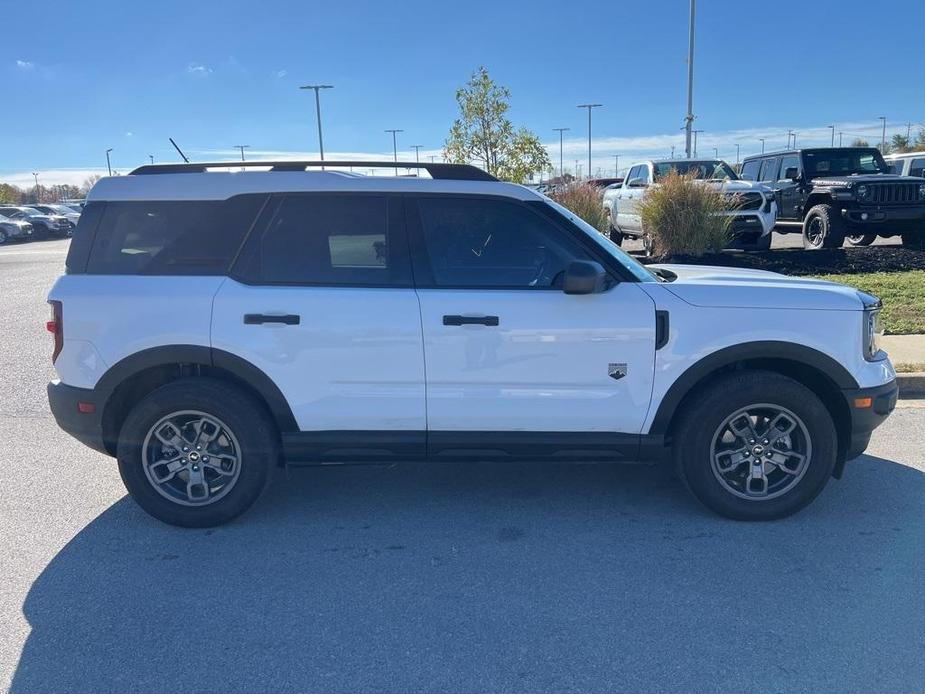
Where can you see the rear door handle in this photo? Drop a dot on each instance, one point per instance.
(261, 318)
(470, 320)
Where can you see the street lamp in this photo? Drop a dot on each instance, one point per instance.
(35, 175)
(561, 168)
(737, 153)
(242, 148)
(762, 144)
(395, 132)
(832, 128)
(789, 135)
(108, 164)
(689, 118)
(616, 165)
(417, 153)
(590, 107)
(317, 88)
(696, 132)
(151, 157)
(839, 137)
(883, 137)
(716, 153)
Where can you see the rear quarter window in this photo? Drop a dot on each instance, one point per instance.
(170, 237)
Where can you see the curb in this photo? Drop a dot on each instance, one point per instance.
(911, 385)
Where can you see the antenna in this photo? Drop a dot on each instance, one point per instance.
(178, 149)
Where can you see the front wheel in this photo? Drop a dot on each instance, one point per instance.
(823, 227)
(861, 239)
(197, 452)
(755, 446)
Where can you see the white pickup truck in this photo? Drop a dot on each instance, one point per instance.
(754, 215)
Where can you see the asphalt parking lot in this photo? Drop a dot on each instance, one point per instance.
(416, 578)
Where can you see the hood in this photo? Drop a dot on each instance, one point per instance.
(740, 186)
(723, 287)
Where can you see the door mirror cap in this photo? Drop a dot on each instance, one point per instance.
(584, 277)
(792, 173)
(636, 183)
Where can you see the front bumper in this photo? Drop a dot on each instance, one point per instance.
(912, 216)
(869, 408)
(18, 232)
(69, 404)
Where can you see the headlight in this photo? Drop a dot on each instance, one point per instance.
(922, 191)
(873, 329)
(862, 191)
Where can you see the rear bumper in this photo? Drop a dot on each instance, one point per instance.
(864, 419)
(86, 427)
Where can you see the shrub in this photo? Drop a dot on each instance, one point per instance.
(585, 201)
(684, 216)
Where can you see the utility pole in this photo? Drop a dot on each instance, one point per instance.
(433, 158)
(762, 144)
(577, 170)
(696, 132)
(395, 132)
(737, 154)
(317, 88)
(561, 168)
(590, 107)
(832, 128)
(417, 153)
(616, 165)
(908, 133)
(839, 138)
(689, 118)
(672, 151)
(883, 137)
(108, 164)
(242, 148)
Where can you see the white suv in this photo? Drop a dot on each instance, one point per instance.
(215, 324)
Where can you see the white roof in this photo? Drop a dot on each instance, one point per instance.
(220, 185)
(905, 155)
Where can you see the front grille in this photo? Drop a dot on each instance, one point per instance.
(744, 201)
(892, 193)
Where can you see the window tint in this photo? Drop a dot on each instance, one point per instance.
(331, 240)
(787, 162)
(750, 169)
(769, 169)
(917, 167)
(479, 242)
(644, 173)
(171, 238)
(896, 166)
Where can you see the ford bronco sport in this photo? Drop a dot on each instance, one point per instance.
(213, 324)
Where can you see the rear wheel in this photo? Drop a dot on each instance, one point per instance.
(861, 239)
(914, 240)
(197, 452)
(755, 446)
(823, 227)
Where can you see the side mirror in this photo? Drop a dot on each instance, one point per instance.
(792, 173)
(636, 183)
(584, 277)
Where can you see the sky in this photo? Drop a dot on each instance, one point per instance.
(82, 77)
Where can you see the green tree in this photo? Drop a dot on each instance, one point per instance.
(919, 140)
(484, 133)
(900, 143)
(10, 194)
(858, 142)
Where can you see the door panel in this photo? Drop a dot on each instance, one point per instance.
(545, 366)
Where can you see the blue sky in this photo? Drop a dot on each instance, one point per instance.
(82, 77)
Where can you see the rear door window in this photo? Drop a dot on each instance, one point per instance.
(791, 161)
(917, 167)
(171, 237)
(750, 170)
(769, 168)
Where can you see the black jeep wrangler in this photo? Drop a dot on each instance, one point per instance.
(836, 193)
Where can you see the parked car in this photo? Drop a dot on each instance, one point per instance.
(62, 210)
(835, 193)
(907, 164)
(751, 205)
(14, 229)
(211, 326)
(46, 225)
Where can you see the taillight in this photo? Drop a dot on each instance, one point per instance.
(56, 327)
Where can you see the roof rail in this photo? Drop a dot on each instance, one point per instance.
(456, 172)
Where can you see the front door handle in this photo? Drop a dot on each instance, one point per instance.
(470, 320)
(261, 318)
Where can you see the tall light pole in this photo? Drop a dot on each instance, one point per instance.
(789, 135)
(672, 151)
(417, 153)
(737, 153)
(839, 138)
(108, 164)
(689, 118)
(794, 140)
(242, 148)
(590, 107)
(561, 168)
(433, 158)
(883, 137)
(35, 175)
(832, 128)
(696, 132)
(716, 153)
(317, 88)
(762, 144)
(395, 132)
(151, 157)
(616, 165)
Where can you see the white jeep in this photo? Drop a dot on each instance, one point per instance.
(214, 324)
(751, 205)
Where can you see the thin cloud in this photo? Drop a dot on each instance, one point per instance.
(25, 65)
(281, 73)
(198, 70)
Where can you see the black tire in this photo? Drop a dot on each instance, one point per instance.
(860, 239)
(704, 415)
(823, 227)
(616, 236)
(243, 415)
(915, 240)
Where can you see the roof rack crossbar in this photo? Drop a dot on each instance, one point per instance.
(455, 172)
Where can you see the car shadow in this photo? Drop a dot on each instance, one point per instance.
(488, 577)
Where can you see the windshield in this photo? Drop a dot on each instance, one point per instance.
(710, 170)
(631, 264)
(31, 211)
(843, 162)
